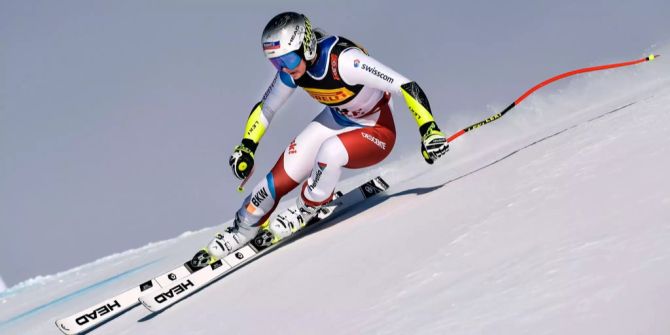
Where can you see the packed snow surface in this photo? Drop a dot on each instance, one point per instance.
(554, 219)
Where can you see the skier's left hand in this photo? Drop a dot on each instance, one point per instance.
(242, 160)
(433, 143)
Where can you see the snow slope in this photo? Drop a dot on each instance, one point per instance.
(552, 220)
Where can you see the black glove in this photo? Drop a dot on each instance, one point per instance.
(433, 142)
(242, 159)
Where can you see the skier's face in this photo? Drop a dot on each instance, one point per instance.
(298, 71)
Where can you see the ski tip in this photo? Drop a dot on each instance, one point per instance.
(63, 328)
(145, 304)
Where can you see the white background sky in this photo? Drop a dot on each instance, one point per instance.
(117, 118)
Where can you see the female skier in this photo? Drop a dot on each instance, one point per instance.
(354, 130)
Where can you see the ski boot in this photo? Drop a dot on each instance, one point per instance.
(292, 220)
(223, 244)
(284, 224)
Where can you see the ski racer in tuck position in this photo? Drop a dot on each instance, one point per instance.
(354, 130)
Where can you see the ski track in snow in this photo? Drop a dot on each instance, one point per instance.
(553, 220)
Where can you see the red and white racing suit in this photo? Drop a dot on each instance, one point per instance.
(354, 130)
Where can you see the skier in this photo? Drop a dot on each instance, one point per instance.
(354, 130)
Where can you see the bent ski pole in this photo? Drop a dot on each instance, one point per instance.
(544, 83)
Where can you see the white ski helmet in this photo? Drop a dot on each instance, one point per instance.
(287, 39)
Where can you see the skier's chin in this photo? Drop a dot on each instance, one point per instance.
(295, 74)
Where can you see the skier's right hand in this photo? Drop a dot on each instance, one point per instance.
(433, 143)
(242, 159)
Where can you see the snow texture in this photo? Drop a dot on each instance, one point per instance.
(553, 220)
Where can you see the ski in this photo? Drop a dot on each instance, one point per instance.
(158, 300)
(103, 311)
(163, 287)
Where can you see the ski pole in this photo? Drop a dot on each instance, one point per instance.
(544, 83)
(241, 187)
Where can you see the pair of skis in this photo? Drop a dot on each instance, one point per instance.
(160, 292)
